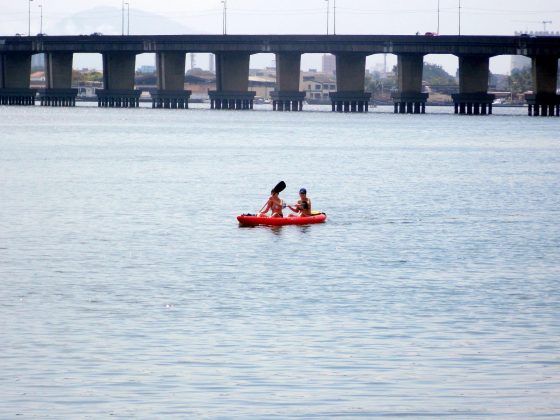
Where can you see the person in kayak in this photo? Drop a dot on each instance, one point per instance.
(274, 204)
(303, 206)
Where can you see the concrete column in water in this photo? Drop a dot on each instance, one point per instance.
(409, 98)
(544, 100)
(473, 96)
(58, 72)
(15, 74)
(350, 95)
(287, 96)
(118, 81)
(232, 82)
(171, 91)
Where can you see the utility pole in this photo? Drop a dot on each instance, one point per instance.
(459, 17)
(334, 23)
(438, 17)
(385, 65)
(224, 22)
(544, 22)
(29, 18)
(127, 18)
(41, 26)
(122, 17)
(328, 10)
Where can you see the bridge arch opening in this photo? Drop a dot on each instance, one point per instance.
(37, 76)
(318, 78)
(440, 78)
(145, 74)
(200, 75)
(510, 79)
(87, 75)
(262, 77)
(381, 77)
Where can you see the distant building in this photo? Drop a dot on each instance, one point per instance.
(147, 69)
(211, 63)
(37, 79)
(38, 61)
(262, 85)
(317, 86)
(199, 82)
(267, 72)
(328, 64)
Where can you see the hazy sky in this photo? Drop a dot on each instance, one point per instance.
(496, 17)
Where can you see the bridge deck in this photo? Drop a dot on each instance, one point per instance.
(364, 44)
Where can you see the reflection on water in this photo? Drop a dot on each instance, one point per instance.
(128, 289)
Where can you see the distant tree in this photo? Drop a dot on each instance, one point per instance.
(145, 79)
(371, 83)
(435, 75)
(375, 75)
(87, 76)
(521, 80)
(376, 83)
(200, 73)
(499, 82)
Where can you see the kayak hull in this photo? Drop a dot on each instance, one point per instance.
(249, 220)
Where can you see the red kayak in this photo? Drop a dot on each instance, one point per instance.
(252, 220)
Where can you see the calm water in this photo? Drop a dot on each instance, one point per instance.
(129, 290)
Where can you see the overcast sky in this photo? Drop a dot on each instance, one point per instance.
(494, 17)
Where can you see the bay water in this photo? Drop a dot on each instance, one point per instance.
(128, 289)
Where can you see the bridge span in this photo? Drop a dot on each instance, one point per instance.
(232, 68)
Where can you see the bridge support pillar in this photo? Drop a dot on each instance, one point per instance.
(118, 81)
(544, 101)
(409, 99)
(350, 95)
(59, 92)
(287, 96)
(232, 82)
(171, 91)
(473, 97)
(15, 71)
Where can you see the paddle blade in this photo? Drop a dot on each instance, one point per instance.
(281, 186)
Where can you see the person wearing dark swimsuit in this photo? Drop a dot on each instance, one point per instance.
(303, 206)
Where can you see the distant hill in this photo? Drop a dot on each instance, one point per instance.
(107, 20)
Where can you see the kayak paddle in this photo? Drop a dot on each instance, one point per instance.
(281, 186)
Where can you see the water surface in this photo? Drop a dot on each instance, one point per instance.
(129, 290)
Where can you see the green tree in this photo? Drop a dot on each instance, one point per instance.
(435, 75)
(379, 85)
(87, 76)
(521, 80)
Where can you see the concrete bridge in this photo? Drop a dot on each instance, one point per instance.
(232, 66)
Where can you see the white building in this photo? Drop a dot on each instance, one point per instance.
(317, 86)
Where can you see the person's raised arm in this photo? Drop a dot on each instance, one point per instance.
(266, 208)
